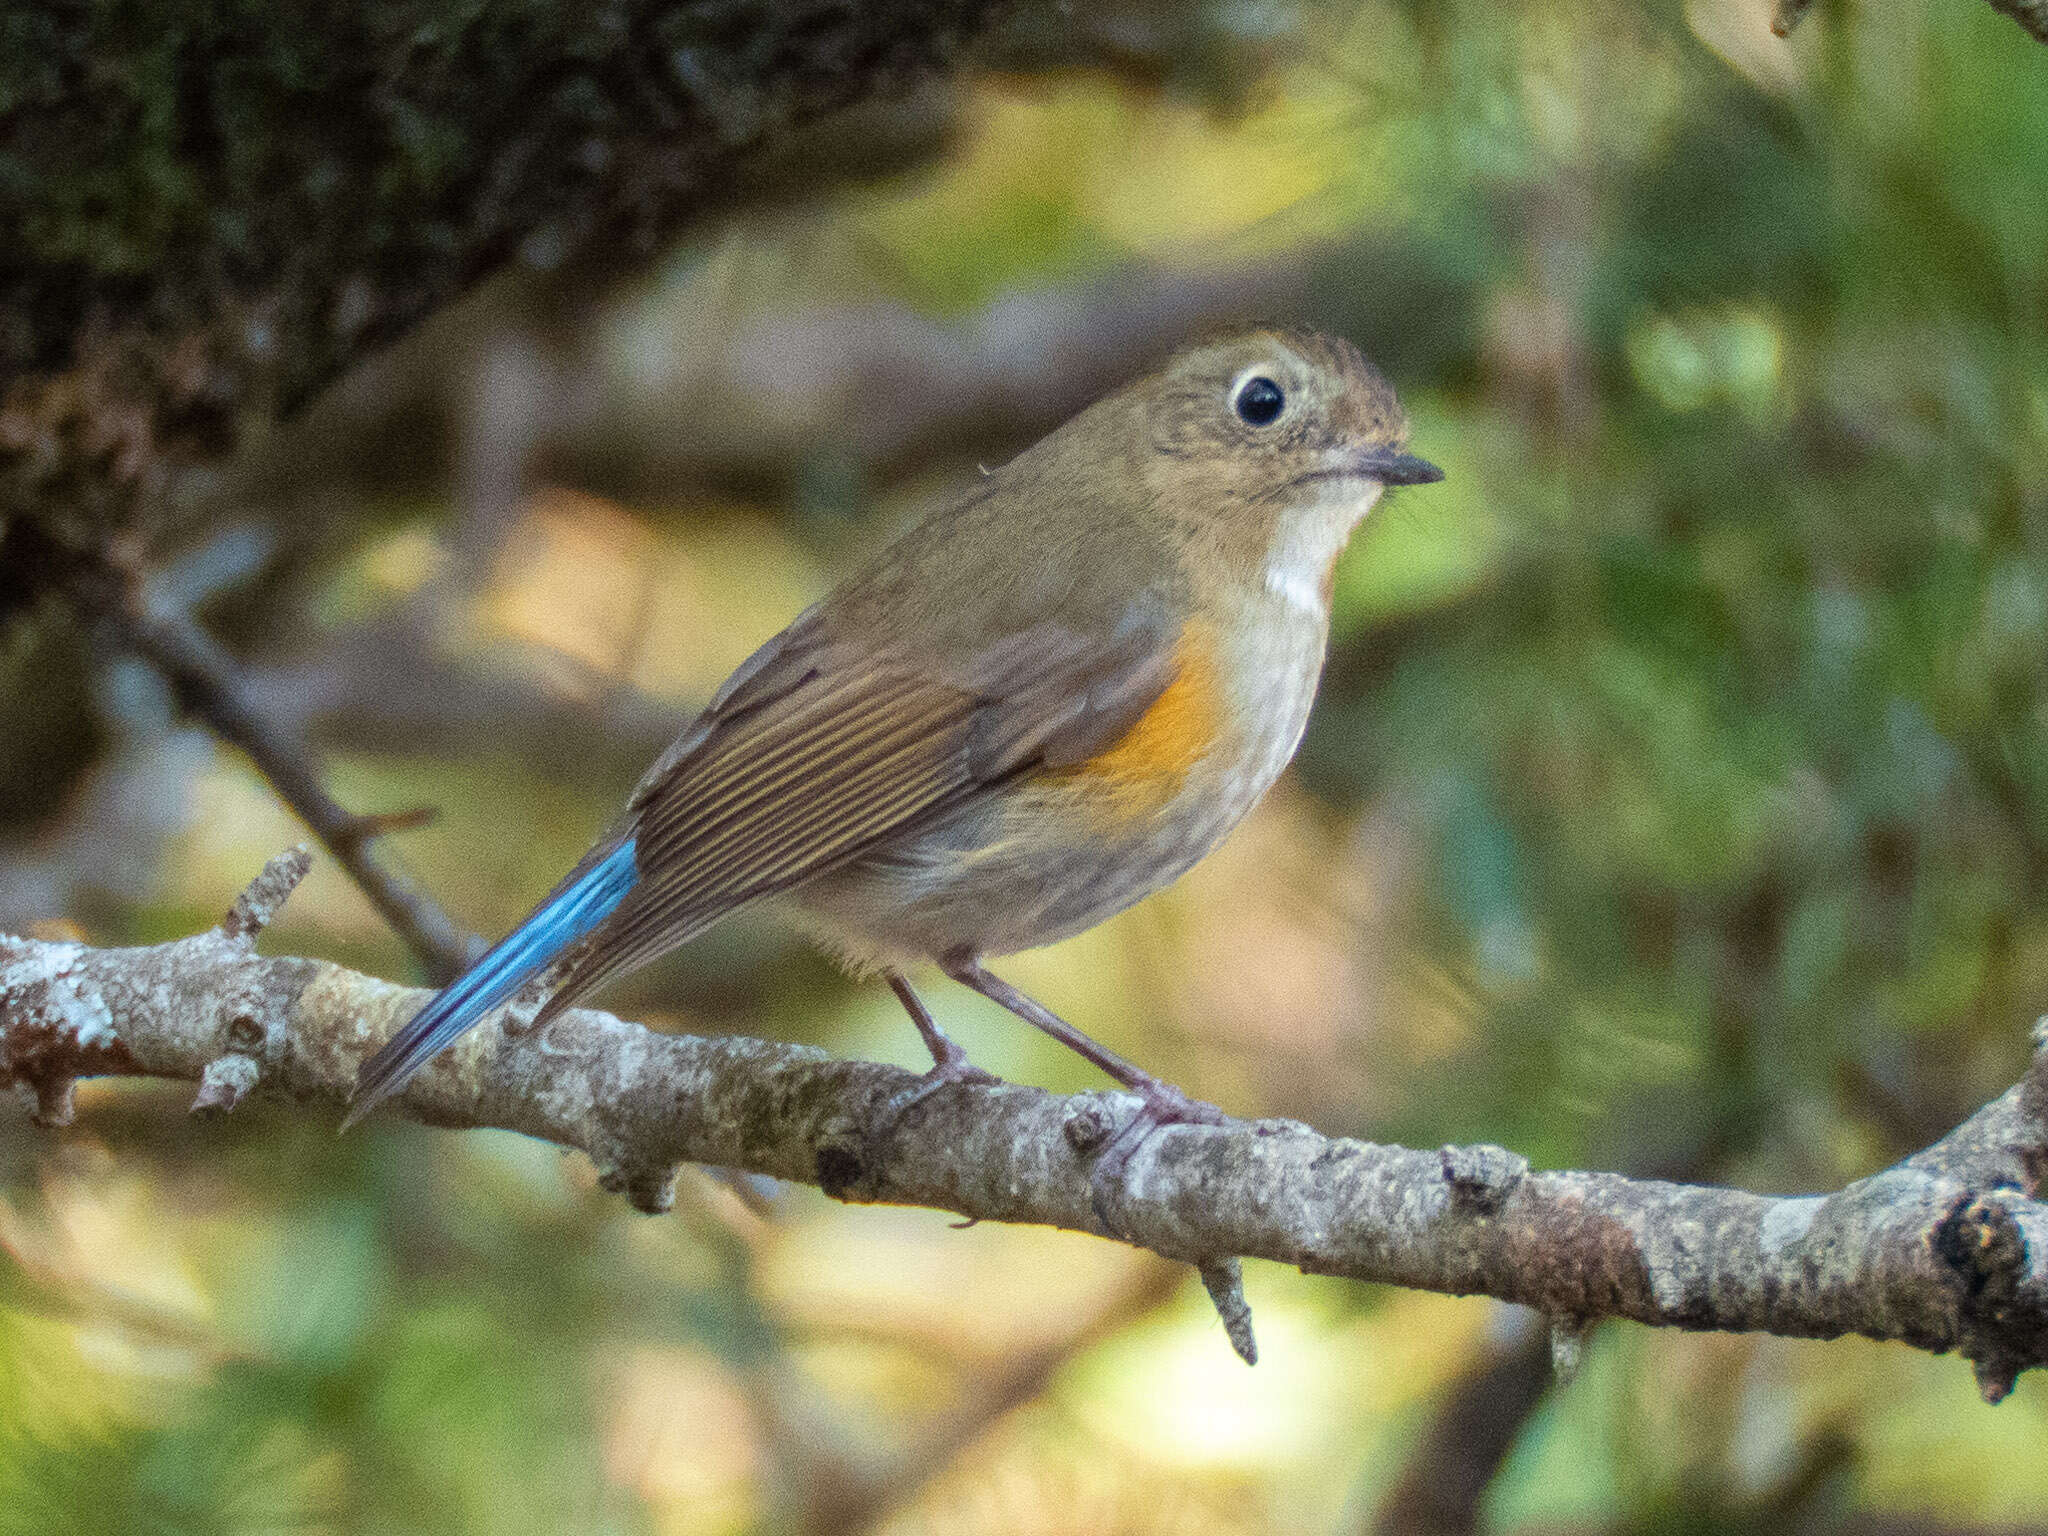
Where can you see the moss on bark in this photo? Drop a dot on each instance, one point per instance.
(213, 206)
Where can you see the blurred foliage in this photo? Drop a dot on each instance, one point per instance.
(1677, 802)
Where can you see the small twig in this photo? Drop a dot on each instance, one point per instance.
(207, 682)
(1223, 1279)
(225, 1082)
(260, 899)
(1567, 1346)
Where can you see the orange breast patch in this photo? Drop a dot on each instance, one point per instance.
(1145, 767)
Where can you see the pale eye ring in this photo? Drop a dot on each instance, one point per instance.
(1258, 401)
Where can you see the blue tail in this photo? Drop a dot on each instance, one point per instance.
(566, 916)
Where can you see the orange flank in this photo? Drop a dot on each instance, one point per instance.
(1145, 767)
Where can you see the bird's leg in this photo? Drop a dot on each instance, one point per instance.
(949, 1062)
(1162, 1095)
(1161, 1102)
(949, 1065)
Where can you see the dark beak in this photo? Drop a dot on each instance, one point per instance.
(1392, 468)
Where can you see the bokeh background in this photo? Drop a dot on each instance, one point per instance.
(1677, 802)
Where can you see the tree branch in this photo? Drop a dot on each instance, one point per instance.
(207, 682)
(1947, 1250)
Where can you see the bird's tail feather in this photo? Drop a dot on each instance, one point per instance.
(577, 906)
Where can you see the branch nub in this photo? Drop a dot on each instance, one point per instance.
(261, 898)
(225, 1082)
(1223, 1279)
(1483, 1177)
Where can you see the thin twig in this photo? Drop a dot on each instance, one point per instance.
(207, 682)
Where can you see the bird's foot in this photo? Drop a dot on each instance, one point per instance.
(952, 1066)
(1160, 1104)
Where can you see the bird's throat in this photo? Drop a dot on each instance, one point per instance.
(1301, 557)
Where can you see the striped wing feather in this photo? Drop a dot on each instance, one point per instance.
(816, 751)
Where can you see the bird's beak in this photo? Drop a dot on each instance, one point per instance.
(1391, 468)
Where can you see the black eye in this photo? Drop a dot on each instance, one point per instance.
(1259, 401)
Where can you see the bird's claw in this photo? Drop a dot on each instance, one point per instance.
(1160, 1104)
(953, 1067)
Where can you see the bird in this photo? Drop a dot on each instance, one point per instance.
(1035, 707)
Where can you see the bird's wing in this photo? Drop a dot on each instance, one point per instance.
(818, 748)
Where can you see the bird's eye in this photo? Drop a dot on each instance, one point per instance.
(1259, 401)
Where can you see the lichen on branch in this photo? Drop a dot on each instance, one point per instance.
(1947, 1250)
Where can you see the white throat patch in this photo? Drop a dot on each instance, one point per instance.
(1308, 541)
(1297, 589)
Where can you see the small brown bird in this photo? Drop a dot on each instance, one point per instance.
(1037, 706)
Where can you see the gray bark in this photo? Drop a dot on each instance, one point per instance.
(1947, 1250)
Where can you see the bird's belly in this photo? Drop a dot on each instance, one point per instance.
(1043, 858)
